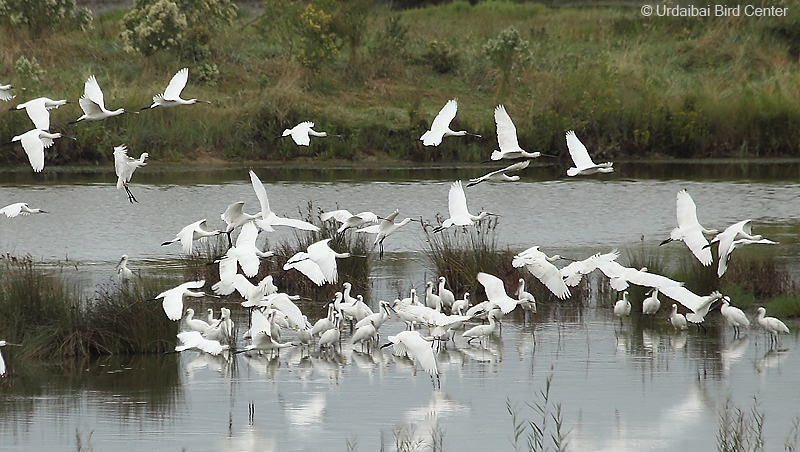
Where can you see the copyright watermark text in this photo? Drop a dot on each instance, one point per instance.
(713, 11)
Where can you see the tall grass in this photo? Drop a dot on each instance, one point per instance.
(545, 431)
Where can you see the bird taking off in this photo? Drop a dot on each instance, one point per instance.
(440, 127)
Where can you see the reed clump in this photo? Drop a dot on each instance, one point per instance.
(546, 430)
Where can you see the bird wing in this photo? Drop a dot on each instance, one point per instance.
(325, 257)
(578, 152)
(420, 348)
(186, 236)
(248, 235)
(38, 113)
(493, 286)
(176, 85)
(374, 229)
(300, 133)
(227, 276)
(643, 278)
(442, 121)
(685, 297)
(307, 267)
(93, 93)
(549, 275)
(281, 302)
(506, 133)
(12, 210)
(341, 215)
(698, 244)
(457, 200)
(298, 224)
(368, 216)
(260, 324)
(121, 163)
(232, 212)
(261, 194)
(189, 340)
(686, 210)
(34, 147)
(173, 303)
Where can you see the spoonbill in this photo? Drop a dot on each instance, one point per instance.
(771, 325)
(245, 252)
(34, 142)
(384, 229)
(195, 231)
(234, 217)
(123, 272)
(173, 298)
(677, 319)
(460, 306)
(261, 334)
(432, 300)
(651, 304)
(525, 299)
(268, 217)
(580, 156)
(689, 229)
(125, 166)
(481, 332)
(699, 305)
(195, 340)
(330, 338)
(5, 93)
(365, 333)
(457, 205)
(735, 316)
(620, 276)
(445, 294)
(39, 110)
(171, 97)
(92, 103)
(19, 208)
(2, 362)
(540, 266)
(573, 273)
(725, 258)
(500, 175)
(302, 133)
(413, 345)
(496, 293)
(507, 139)
(440, 127)
(622, 308)
(318, 262)
(194, 324)
(348, 220)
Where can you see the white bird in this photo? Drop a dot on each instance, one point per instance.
(432, 300)
(195, 340)
(677, 320)
(125, 166)
(34, 142)
(583, 163)
(445, 294)
(378, 318)
(246, 253)
(540, 266)
(326, 323)
(19, 208)
(574, 272)
(651, 304)
(329, 338)
(123, 272)
(2, 362)
(500, 175)
(173, 298)
(268, 217)
(171, 97)
(92, 103)
(525, 299)
(771, 325)
(39, 110)
(440, 127)
(481, 332)
(413, 345)
(261, 335)
(621, 276)
(460, 306)
(302, 133)
(496, 293)
(735, 316)
(457, 205)
(622, 308)
(724, 259)
(384, 229)
(507, 138)
(195, 231)
(234, 217)
(365, 333)
(194, 324)
(318, 262)
(689, 229)
(210, 319)
(5, 93)
(349, 220)
(697, 304)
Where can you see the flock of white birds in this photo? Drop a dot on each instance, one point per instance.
(274, 311)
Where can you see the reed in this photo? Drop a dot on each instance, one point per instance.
(546, 430)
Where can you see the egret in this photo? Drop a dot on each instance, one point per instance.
(413, 345)
(123, 272)
(195, 324)
(689, 229)
(622, 308)
(173, 298)
(500, 175)
(5, 93)
(697, 304)
(724, 259)
(92, 103)
(440, 127)
(525, 299)
(349, 220)
(445, 294)
(677, 320)
(2, 362)
(621, 276)
(195, 231)
(735, 316)
(34, 142)
(268, 217)
(171, 97)
(302, 133)
(39, 110)
(481, 332)
(771, 325)
(19, 208)
(583, 163)
(651, 304)
(432, 300)
(540, 266)
(507, 138)
(460, 306)
(318, 262)
(384, 229)
(195, 340)
(457, 205)
(125, 166)
(235, 217)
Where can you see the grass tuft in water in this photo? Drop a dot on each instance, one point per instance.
(740, 430)
(546, 430)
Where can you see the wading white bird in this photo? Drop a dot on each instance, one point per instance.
(302, 133)
(457, 205)
(194, 324)
(125, 166)
(173, 298)
(526, 299)
(5, 93)
(481, 332)
(622, 308)
(39, 110)
(507, 138)
(171, 97)
(34, 142)
(92, 103)
(384, 229)
(268, 217)
(460, 306)
(697, 304)
(651, 304)
(689, 229)
(123, 272)
(440, 127)
(348, 220)
(500, 175)
(413, 345)
(2, 362)
(540, 266)
(195, 231)
(445, 294)
(573, 273)
(677, 320)
(19, 208)
(771, 325)
(580, 156)
(620, 277)
(195, 340)
(318, 262)
(735, 316)
(432, 300)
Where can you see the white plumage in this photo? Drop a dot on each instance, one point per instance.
(689, 229)
(540, 266)
(580, 156)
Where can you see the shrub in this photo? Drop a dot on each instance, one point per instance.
(506, 52)
(29, 69)
(42, 15)
(440, 57)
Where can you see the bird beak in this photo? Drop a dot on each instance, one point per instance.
(542, 154)
(665, 242)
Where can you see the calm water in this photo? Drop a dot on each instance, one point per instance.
(634, 387)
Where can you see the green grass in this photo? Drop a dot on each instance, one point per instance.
(631, 87)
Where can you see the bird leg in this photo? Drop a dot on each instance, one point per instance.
(131, 198)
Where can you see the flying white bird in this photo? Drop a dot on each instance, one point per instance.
(440, 127)
(39, 110)
(507, 138)
(385, 228)
(457, 205)
(5, 93)
(268, 217)
(583, 163)
(620, 277)
(318, 263)
(540, 266)
(123, 272)
(261, 334)
(195, 231)
(125, 166)
(735, 236)
(92, 103)
(302, 133)
(500, 175)
(234, 217)
(695, 303)
(689, 229)
(3, 344)
(735, 316)
(413, 345)
(496, 293)
(245, 252)
(34, 143)
(19, 208)
(173, 298)
(771, 325)
(195, 340)
(573, 273)
(171, 97)
(349, 220)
